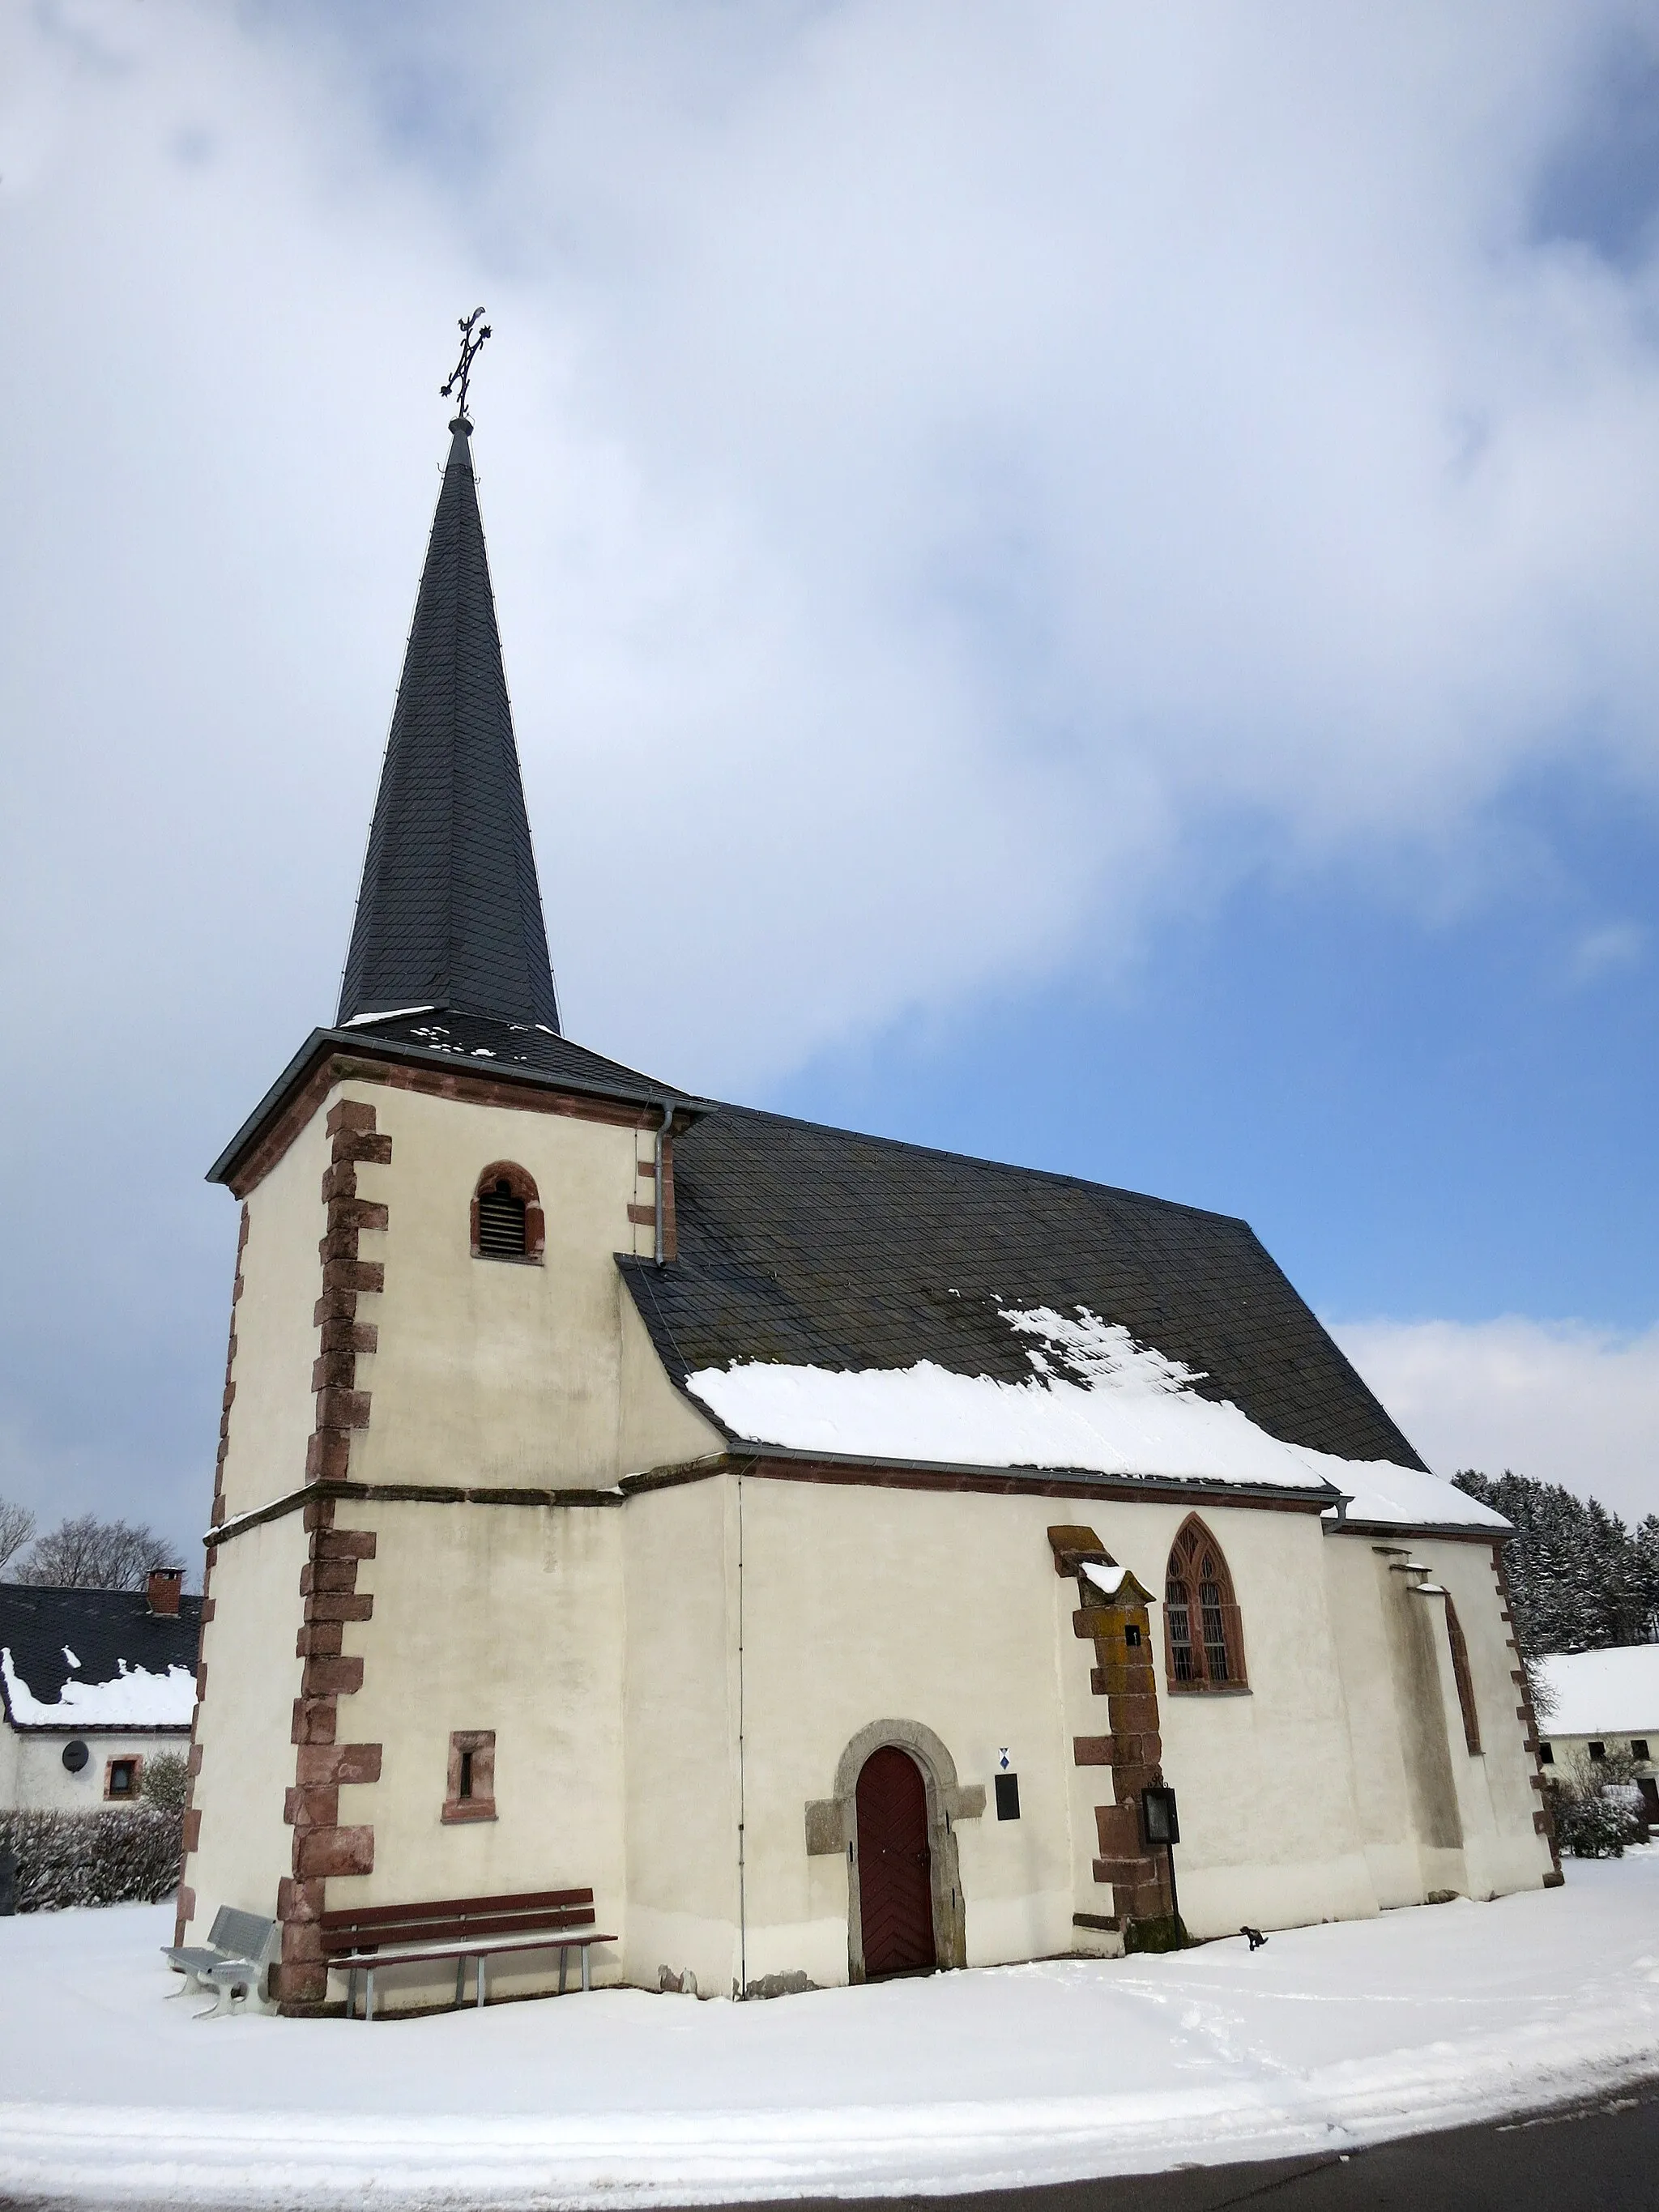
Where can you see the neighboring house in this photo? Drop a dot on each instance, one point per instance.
(93, 1682)
(817, 1545)
(1606, 1704)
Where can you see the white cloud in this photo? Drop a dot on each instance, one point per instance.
(946, 468)
(1559, 1401)
(962, 481)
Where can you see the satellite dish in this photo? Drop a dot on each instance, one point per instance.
(74, 1755)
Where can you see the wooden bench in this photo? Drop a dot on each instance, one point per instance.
(373, 1937)
(232, 1962)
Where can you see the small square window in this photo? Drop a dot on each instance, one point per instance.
(1007, 1796)
(1638, 1747)
(1547, 1754)
(471, 1794)
(122, 1776)
(1598, 1751)
(1131, 1635)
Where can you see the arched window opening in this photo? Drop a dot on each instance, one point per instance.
(1460, 1659)
(1203, 1630)
(507, 1215)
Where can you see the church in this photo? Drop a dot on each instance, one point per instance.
(831, 1551)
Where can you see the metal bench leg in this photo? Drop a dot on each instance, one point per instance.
(369, 1995)
(564, 1956)
(481, 1980)
(351, 1993)
(585, 1980)
(460, 1977)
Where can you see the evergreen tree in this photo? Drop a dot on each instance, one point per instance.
(1579, 1581)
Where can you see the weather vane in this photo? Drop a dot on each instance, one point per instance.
(471, 347)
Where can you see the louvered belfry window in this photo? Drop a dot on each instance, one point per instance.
(1203, 1629)
(501, 1223)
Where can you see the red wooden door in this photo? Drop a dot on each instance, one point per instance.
(896, 1894)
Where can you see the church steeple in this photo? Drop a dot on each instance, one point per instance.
(449, 914)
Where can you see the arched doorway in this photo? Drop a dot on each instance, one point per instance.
(896, 1889)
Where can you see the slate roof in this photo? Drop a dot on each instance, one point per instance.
(817, 1247)
(517, 1052)
(102, 1628)
(449, 913)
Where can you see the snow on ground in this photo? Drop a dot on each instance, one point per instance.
(1603, 1693)
(1335, 2035)
(1097, 1399)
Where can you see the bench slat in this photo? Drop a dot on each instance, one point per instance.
(443, 1931)
(379, 1960)
(453, 1908)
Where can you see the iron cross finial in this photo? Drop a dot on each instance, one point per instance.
(471, 347)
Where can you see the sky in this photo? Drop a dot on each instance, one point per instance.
(1077, 583)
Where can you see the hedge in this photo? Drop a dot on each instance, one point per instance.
(132, 1854)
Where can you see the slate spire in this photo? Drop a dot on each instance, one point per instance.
(449, 914)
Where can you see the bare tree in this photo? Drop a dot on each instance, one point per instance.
(88, 1553)
(16, 1527)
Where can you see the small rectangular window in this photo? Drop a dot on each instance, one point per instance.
(1547, 1754)
(1007, 1796)
(470, 1792)
(1598, 1751)
(122, 1776)
(1638, 1747)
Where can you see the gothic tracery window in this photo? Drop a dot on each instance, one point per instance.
(1203, 1632)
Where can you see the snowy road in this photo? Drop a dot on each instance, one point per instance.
(1330, 2036)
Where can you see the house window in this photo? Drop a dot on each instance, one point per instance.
(508, 1222)
(1598, 1751)
(1203, 1632)
(1547, 1754)
(1638, 1747)
(123, 1776)
(472, 1791)
(1460, 1659)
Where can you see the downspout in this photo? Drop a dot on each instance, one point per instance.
(661, 1146)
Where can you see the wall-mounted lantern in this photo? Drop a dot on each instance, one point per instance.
(1160, 1823)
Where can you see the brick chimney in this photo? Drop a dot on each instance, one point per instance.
(162, 1588)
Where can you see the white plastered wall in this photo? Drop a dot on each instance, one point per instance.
(1436, 1817)
(495, 1373)
(33, 1777)
(273, 1411)
(1270, 1829)
(942, 1608)
(499, 1617)
(680, 1568)
(244, 1725)
(1496, 1799)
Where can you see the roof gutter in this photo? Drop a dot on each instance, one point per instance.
(663, 1127)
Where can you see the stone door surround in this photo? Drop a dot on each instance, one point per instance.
(832, 1827)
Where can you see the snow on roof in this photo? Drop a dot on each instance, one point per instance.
(1108, 1580)
(1097, 1400)
(1405, 1498)
(136, 1699)
(1603, 1693)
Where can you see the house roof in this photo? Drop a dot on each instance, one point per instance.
(1601, 1693)
(514, 1052)
(130, 1668)
(449, 913)
(819, 1250)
